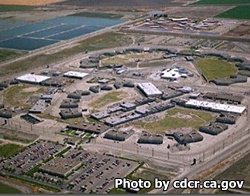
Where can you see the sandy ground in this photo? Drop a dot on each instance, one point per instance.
(28, 2)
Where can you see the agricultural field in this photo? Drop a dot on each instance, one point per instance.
(27, 2)
(223, 2)
(8, 8)
(106, 40)
(213, 68)
(239, 12)
(176, 118)
(238, 171)
(7, 54)
(5, 189)
(8, 150)
(18, 95)
(107, 99)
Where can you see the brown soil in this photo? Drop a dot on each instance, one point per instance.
(28, 2)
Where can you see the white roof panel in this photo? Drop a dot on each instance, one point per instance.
(75, 74)
(33, 78)
(149, 89)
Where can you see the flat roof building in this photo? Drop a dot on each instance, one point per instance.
(75, 74)
(149, 89)
(32, 78)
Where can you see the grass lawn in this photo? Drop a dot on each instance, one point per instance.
(240, 170)
(223, 2)
(5, 189)
(239, 12)
(8, 150)
(7, 54)
(18, 95)
(7, 8)
(214, 68)
(108, 98)
(105, 40)
(176, 118)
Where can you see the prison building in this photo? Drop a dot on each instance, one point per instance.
(70, 113)
(13, 82)
(225, 97)
(118, 85)
(39, 106)
(215, 107)
(89, 127)
(4, 85)
(47, 97)
(126, 106)
(149, 89)
(100, 115)
(161, 107)
(170, 95)
(75, 95)
(1, 106)
(147, 138)
(118, 120)
(69, 103)
(31, 118)
(213, 128)
(128, 84)
(32, 78)
(114, 108)
(85, 93)
(191, 137)
(54, 82)
(106, 88)
(94, 89)
(227, 118)
(144, 101)
(5, 113)
(118, 135)
(75, 74)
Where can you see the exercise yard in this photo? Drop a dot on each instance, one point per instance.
(214, 68)
(107, 99)
(176, 118)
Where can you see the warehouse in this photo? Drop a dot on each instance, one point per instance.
(213, 128)
(32, 78)
(213, 106)
(75, 74)
(118, 135)
(149, 89)
(147, 138)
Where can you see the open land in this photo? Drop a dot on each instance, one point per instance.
(216, 69)
(28, 2)
(222, 2)
(239, 12)
(8, 150)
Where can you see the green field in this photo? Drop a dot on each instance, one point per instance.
(8, 150)
(7, 54)
(223, 2)
(176, 118)
(17, 96)
(7, 8)
(108, 98)
(5, 189)
(106, 40)
(213, 68)
(239, 12)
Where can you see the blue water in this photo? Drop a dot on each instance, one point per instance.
(19, 35)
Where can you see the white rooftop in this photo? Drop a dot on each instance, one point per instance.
(216, 106)
(172, 74)
(32, 78)
(75, 74)
(149, 89)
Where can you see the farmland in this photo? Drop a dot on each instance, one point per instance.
(239, 12)
(5, 189)
(223, 2)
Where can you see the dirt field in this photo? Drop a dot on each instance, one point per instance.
(242, 30)
(28, 2)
